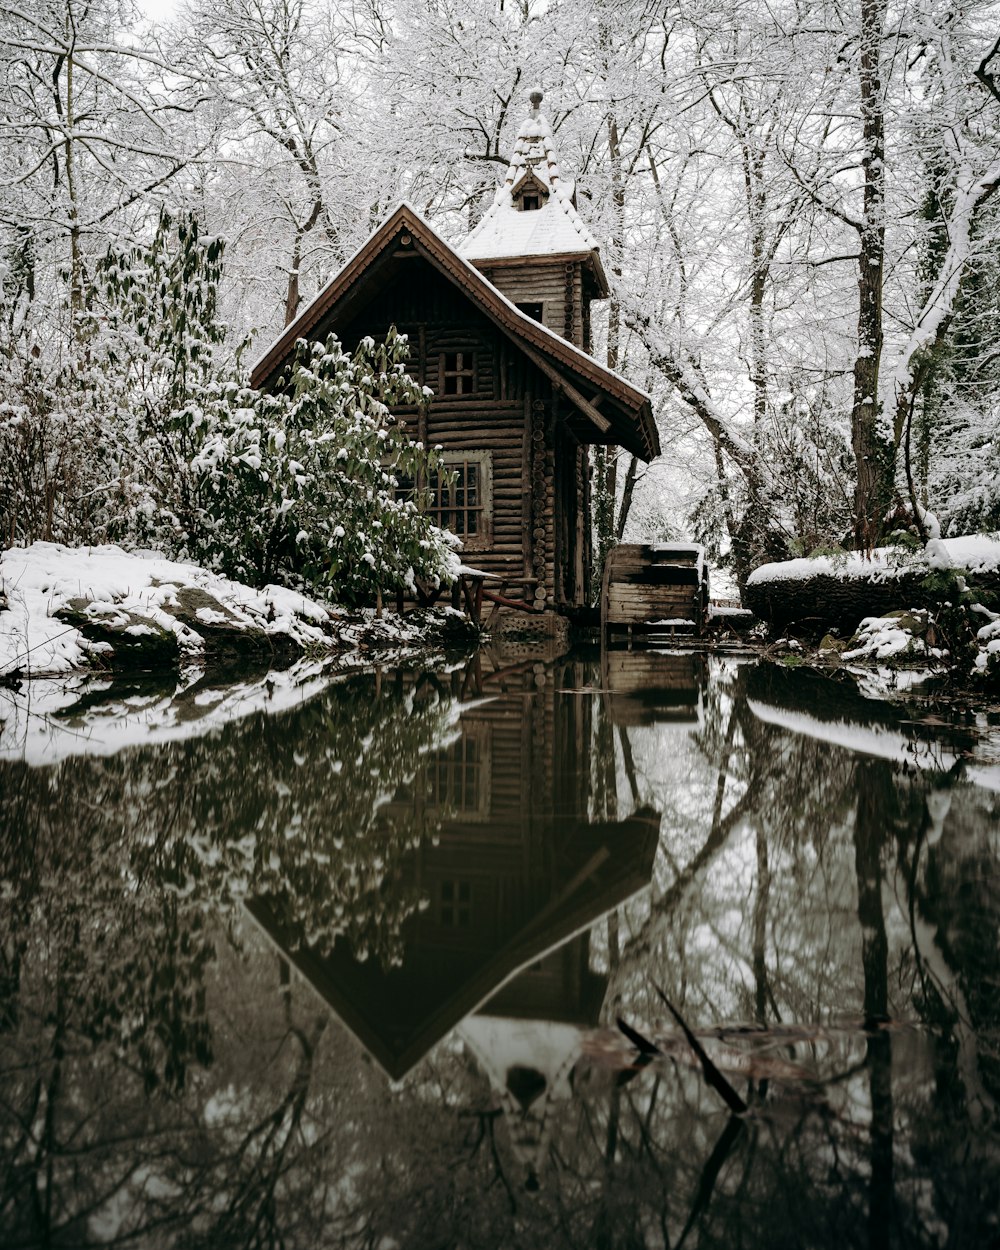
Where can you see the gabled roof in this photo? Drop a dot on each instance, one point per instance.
(399, 1013)
(553, 229)
(626, 419)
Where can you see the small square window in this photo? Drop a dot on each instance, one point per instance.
(456, 904)
(530, 203)
(458, 373)
(534, 311)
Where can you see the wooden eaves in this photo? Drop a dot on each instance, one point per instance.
(635, 429)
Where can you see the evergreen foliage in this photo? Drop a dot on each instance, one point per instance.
(151, 422)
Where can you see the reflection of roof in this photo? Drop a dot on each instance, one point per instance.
(400, 1013)
(627, 417)
(553, 229)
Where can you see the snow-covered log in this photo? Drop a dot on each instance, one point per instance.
(839, 591)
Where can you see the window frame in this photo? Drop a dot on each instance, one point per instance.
(460, 373)
(454, 776)
(483, 540)
(455, 899)
(525, 307)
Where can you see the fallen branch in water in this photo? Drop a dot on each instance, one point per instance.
(712, 1074)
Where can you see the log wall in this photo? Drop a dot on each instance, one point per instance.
(556, 285)
(509, 413)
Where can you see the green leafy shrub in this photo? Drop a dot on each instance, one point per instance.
(299, 486)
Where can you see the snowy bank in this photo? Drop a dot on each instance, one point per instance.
(67, 609)
(973, 553)
(70, 608)
(838, 591)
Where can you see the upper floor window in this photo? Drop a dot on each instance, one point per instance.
(458, 373)
(530, 203)
(534, 311)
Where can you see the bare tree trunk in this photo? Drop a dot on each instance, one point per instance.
(67, 114)
(606, 458)
(292, 296)
(871, 452)
(627, 494)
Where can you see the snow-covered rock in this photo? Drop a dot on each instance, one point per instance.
(65, 609)
(77, 607)
(900, 636)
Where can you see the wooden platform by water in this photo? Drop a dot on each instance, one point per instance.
(655, 588)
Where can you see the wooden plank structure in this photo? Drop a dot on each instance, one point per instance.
(499, 330)
(655, 587)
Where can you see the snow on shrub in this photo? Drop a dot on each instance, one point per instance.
(300, 486)
(313, 485)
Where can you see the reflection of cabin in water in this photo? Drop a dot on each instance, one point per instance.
(517, 877)
(499, 329)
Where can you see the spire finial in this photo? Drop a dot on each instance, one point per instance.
(536, 100)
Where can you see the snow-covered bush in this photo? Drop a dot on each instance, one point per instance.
(313, 484)
(149, 436)
(88, 444)
(60, 455)
(299, 485)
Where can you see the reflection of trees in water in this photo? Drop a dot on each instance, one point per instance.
(790, 904)
(789, 891)
(116, 875)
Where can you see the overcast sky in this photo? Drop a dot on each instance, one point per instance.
(158, 9)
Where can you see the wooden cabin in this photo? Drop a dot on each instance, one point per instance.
(499, 328)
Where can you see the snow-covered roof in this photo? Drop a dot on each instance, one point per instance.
(555, 228)
(406, 217)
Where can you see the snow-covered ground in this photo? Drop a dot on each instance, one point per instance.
(118, 586)
(137, 594)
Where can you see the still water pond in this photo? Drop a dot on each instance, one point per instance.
(305, 963)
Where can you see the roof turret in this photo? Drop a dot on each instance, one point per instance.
(533, 213)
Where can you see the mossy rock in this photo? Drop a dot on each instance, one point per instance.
(135, 642)
(227, 639)
(913, 621)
